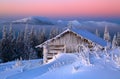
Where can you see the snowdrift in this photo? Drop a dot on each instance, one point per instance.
(65, 66)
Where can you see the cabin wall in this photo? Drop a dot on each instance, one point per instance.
(70, 40)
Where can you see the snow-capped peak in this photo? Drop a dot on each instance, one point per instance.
(35, 20)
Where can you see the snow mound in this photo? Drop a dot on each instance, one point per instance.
(60, 61)
(101, 69)
(63, 57)
(86, 72)
(69, 66)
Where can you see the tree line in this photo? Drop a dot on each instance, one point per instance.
(23, 44)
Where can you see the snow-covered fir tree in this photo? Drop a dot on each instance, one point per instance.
(54, 31)
(32, 40)
(97, 33)
(4, 33)
(20, 45)
(41, 36)
(69, 25)
(26, 33)
(118, 39)
(26, 43)
(32, 37)
(107, 35)
(29, 43)
(114, 42)
(10, 33)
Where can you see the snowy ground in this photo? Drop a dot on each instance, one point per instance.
(64, 66)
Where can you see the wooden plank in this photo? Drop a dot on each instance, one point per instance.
(56, 45)
(51, 54)
(48, 59)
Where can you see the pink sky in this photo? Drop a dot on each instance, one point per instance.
(60, 7)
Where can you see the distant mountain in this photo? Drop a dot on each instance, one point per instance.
(99, 23)
(61, 22)
(75, 23)
(37, 20)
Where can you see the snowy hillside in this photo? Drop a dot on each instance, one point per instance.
(75, 23)
(35, 20)
(98, 65)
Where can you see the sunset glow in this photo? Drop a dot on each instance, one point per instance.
(60, 7)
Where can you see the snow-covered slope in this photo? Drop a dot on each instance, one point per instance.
(16, 67)
(100, 71)
(73, 22)
(98, 23)
(66, 66)
(35, 20)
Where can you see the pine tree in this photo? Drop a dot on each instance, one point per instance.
(54, 32)
(32, 43)
(97, 33)
(10, 33)
(26, 43)
(12, 42)
(33, 38)
(70, 25)
(4, 33)
(114, 42)
(107, 35)
(41, 36)
(118, 39)
(26, 33)
(20, 45)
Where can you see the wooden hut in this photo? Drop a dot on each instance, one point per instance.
(68, 42)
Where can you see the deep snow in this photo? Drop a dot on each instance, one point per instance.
(64, 66)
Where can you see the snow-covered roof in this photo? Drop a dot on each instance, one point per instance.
(90, 36)
(83, 33)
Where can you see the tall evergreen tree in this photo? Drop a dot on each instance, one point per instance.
(26, 43)
(118, 39)
(114, 42)
(107, 35)
(10, 33)
(4, 33)
(20, 45)
(33, 38)
(97, 33)
(32, 43)
(42, 36)
(53, 32)
(107, 38)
